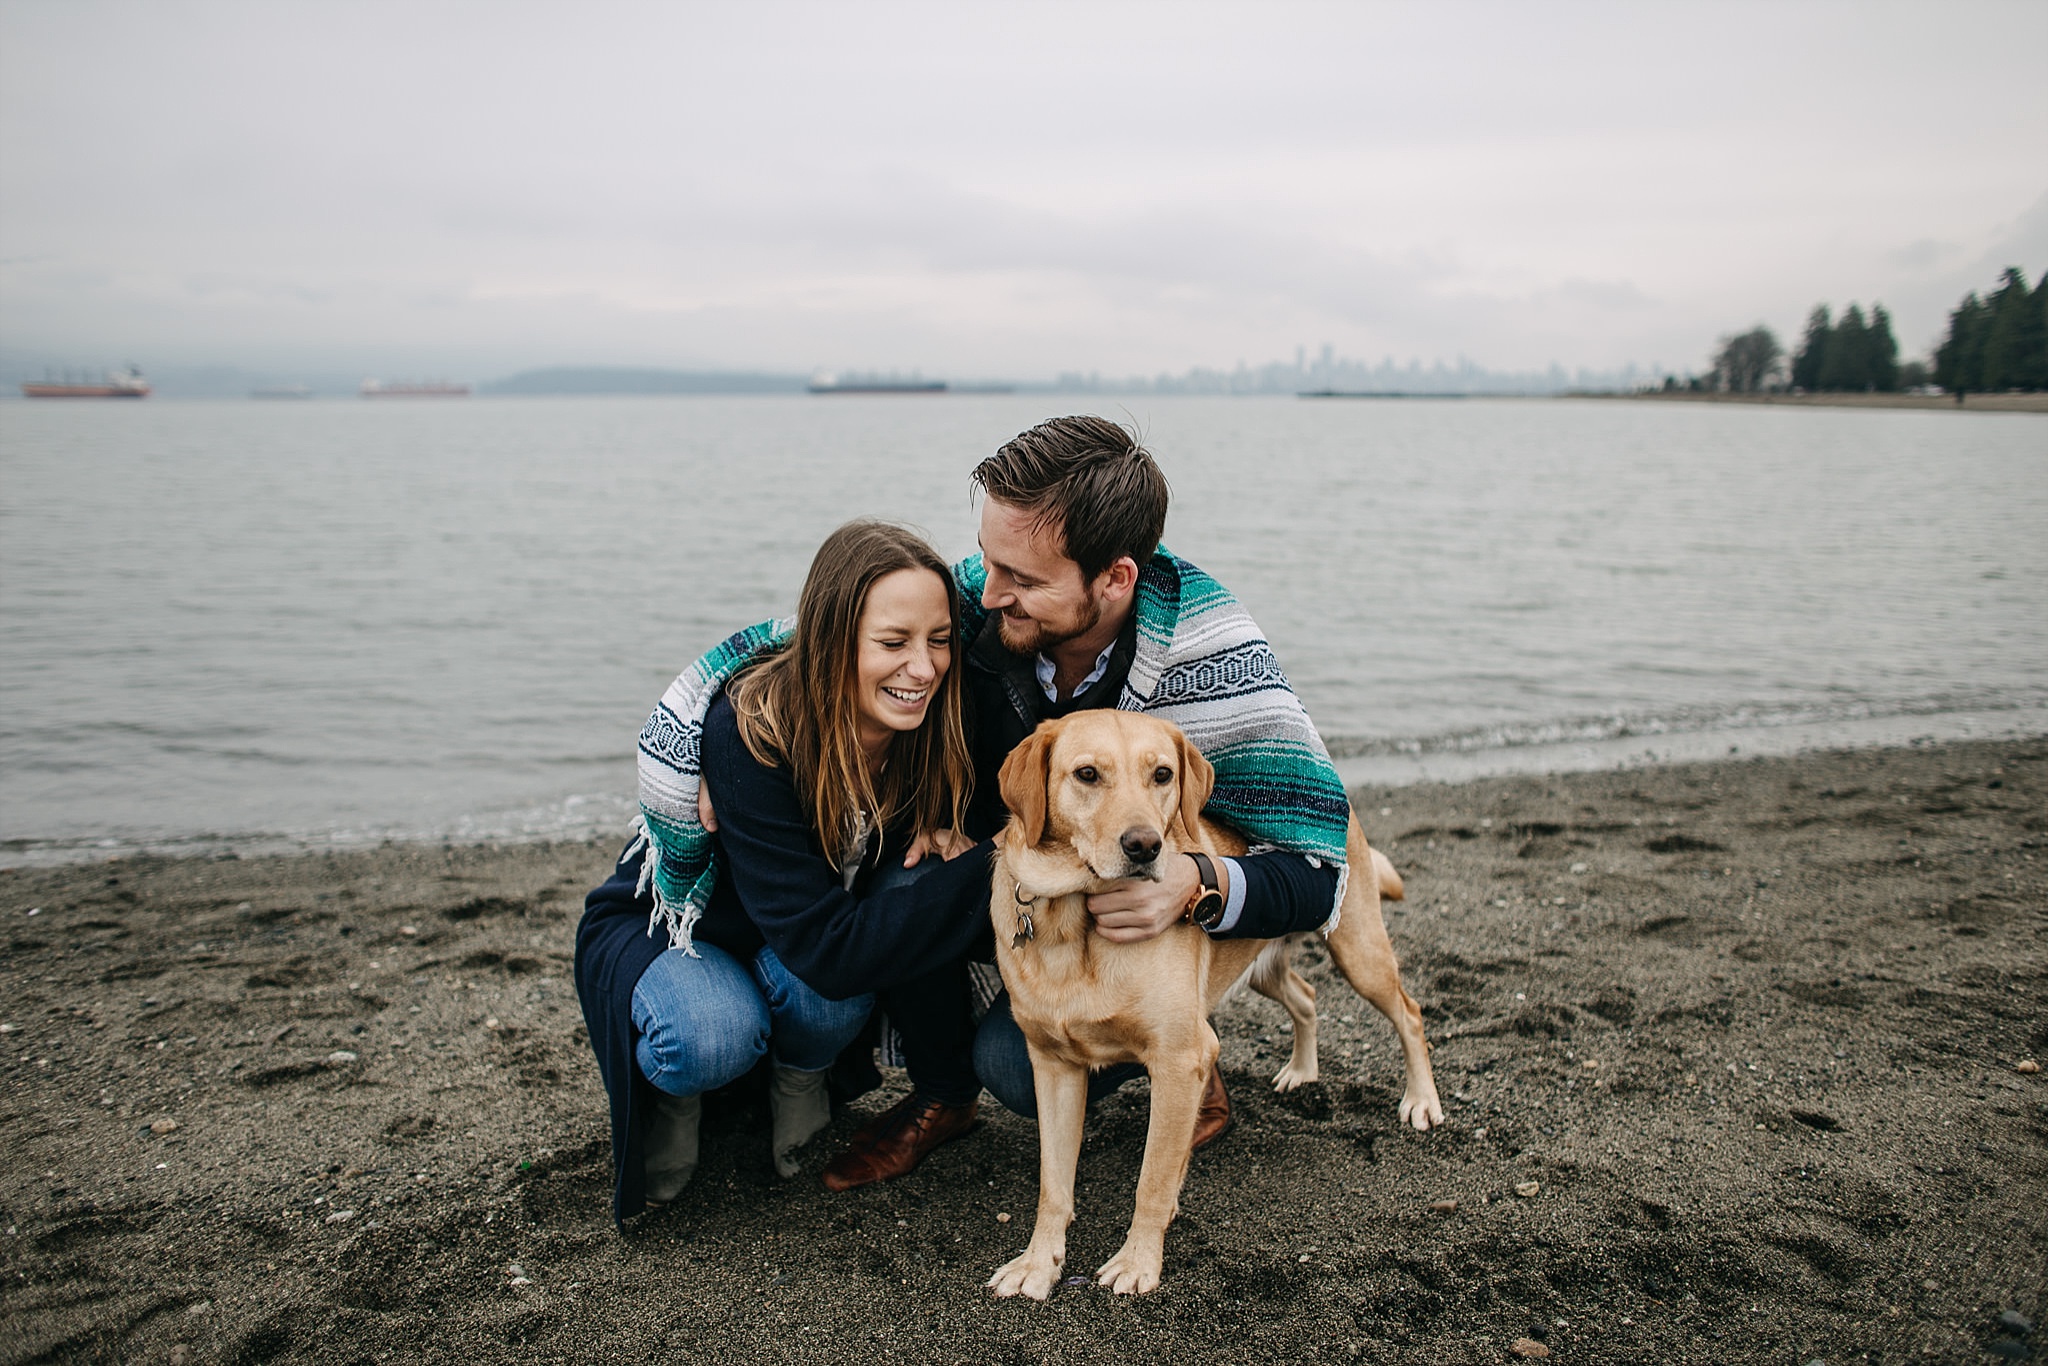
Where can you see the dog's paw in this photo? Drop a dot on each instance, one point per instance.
(1133, 1271)
(1424, 1110)
(1032, 1274)
(1293, 1075)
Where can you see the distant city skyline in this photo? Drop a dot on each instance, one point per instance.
(999, 191)
(1326, 370)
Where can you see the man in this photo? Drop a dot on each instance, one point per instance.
(1080, 608)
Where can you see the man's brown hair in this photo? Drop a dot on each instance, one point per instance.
(1090, 480)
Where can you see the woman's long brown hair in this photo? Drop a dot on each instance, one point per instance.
(797, 706)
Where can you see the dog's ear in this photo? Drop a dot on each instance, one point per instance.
(1022, 783)
(1197, 780)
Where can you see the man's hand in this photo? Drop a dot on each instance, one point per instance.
(706, 817)
(1136, 909)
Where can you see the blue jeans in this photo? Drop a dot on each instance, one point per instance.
(1003, 1063)
(704, 1021)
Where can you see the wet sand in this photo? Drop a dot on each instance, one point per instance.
(1730, 1053)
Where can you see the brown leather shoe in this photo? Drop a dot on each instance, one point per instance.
(896, 1140)
(1212, 1117)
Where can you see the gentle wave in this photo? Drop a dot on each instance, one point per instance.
(1590, 742)
(1682, 721)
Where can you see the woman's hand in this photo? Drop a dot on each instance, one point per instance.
(947, 844)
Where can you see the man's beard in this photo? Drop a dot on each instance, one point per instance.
(1032, 637)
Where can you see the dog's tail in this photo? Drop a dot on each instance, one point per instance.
(1389, 880)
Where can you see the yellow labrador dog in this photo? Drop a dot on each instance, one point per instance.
(1101, 795)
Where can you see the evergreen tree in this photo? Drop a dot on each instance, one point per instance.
(1846, 367)
(2034, 337)
(1956, 360)
(1813, 349)
(1881, 351)
(2004, 362)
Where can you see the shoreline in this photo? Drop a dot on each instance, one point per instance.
(1745, 1030)
(1973, 403)
(1589, 746)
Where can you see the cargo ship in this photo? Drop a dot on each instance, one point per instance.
(127, 383)
(439, 388)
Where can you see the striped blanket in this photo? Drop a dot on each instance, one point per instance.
(1201, 663)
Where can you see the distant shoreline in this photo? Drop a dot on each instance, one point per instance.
(1974, 403)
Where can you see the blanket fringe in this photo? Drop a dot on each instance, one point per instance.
(1337, 907)
(680, 923)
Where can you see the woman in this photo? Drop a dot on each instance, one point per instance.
(837, 753)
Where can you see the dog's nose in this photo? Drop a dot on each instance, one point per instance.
(1139, 844)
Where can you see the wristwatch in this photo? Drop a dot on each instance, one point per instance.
(1206, 908)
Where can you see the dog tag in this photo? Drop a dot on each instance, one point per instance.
(1025, 930)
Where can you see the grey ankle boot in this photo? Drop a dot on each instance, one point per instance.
(672, 1145)
(799, 1106)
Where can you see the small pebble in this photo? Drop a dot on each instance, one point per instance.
(1930, 1285)
(341, 1216)
(8, 1028)
(408, 930)
(2015, 1321)
(1525, 1189)
(514, 1270)
(1075, 1281)
(199, 1306)
(491, 1023)
(2008, 1349)
(1578, 867)
(1444, 1206)
(340, 1057)
(1003, 1218)
(1302, 1258)
(2028, 1066)
(519, 1280)
(1528, 1347)
(181, 1355)
(1590, 1064)
(162, 1126)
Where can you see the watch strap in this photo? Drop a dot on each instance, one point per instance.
(1208, 898)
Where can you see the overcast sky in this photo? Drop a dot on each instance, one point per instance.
(998, 190)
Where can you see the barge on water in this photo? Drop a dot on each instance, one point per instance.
(438, 388)
(127, 383)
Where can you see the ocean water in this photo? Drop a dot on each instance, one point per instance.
(262, 625)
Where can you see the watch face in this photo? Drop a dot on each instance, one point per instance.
(1208, 909)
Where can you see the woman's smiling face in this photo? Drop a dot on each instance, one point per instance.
(906, 646)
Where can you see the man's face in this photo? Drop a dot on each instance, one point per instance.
(1038, 592)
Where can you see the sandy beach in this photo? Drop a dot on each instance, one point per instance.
(1732, 1055)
